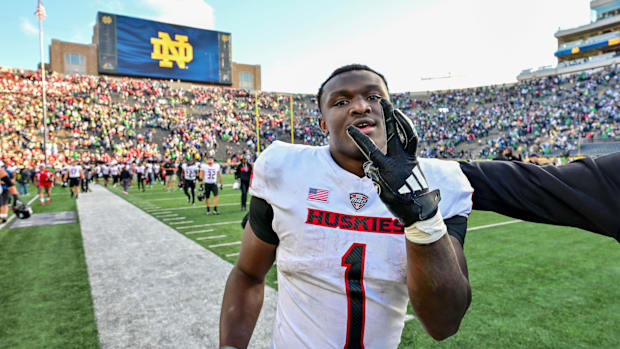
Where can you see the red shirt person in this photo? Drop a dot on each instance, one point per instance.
(46, 180)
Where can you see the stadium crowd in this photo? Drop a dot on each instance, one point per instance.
(535, 116)
(100, 119)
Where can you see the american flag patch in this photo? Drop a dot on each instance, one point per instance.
(318, 194)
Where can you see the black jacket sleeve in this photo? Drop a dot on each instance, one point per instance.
(584, 193)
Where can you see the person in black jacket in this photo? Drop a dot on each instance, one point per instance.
(583, 194)
(125, 178)
(243, 173)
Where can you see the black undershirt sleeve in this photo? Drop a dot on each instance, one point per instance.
(457, 227)
(583, 194)
(7, 181)
(261, 216)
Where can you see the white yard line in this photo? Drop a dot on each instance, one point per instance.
(199, 231)
(211, 237)
(226, 244)
(191, 207)
(185, 197)
(493, 225)
(173, 219)
(13, 216)
(165, 199)
(157, 191)
(183, 222)
(209, 225)
(233, 255)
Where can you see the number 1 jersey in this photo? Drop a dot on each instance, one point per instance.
(341, 258)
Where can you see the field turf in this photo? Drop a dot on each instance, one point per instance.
(534, 285)
(45, 299)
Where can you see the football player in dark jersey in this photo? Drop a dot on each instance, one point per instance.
(7, 191)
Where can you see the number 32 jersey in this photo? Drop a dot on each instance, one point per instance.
(341, 258)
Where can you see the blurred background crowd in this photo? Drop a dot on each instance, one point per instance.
(104, 119)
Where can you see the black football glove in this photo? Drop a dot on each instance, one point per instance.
(397, 175)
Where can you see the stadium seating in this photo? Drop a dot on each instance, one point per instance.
(99, 117)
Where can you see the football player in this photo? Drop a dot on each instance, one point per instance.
(358, 227)
(150, 176)
(157, 171)
(114, 172)
(7, 190)
(105, 171)
(211, 174)
(190, 170)
(140, 169)
(74, 174)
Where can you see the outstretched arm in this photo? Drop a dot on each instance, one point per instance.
(581, 194)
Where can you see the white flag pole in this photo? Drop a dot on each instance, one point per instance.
(43, 90)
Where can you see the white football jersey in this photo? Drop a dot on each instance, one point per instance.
(210, 172)
(190, 171)
(140, 169)
(341, 259)
(74, 171)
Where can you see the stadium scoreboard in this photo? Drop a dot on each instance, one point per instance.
(138, 47)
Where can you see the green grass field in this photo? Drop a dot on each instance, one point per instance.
(45, 299)
(534, 285)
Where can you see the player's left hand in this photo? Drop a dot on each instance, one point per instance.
(397, 175)
(221, 186)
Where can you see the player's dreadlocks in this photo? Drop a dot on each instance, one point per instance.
(344, 69)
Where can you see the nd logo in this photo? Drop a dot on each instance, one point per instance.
(166, 50)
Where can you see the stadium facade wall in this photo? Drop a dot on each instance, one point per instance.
(528, 75)
(59, 49)
(238, 71)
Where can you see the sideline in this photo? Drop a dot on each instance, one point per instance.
(153, 287)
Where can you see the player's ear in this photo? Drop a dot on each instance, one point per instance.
(323, 125)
